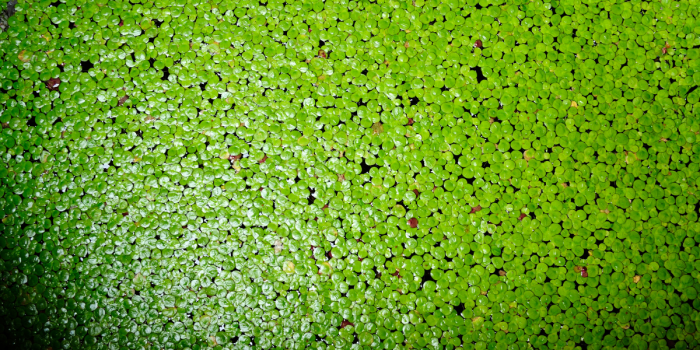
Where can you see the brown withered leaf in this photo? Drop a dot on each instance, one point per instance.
(53, 84)
(122, 100)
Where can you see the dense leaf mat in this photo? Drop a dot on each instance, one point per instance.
(189, 174)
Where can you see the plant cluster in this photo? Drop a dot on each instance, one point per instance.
(307, 174)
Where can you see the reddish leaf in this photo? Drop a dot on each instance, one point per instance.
(346, 323)
(413, 222)
(125, 213)
(522, 216)
(584, 273)
(410, 121)
(53, 84)
(329, 254)
(263, 159)
(234, 158)
(325, 207)
(663, 50)
(322, 54)
(478, 43)
(475, 209)
(416, 192)
(121, 23)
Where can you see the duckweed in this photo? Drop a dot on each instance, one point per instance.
(381, 174)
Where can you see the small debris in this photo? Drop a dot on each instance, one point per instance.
(637, 278)
(341, 177)
(574, 104)
(501, 273)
